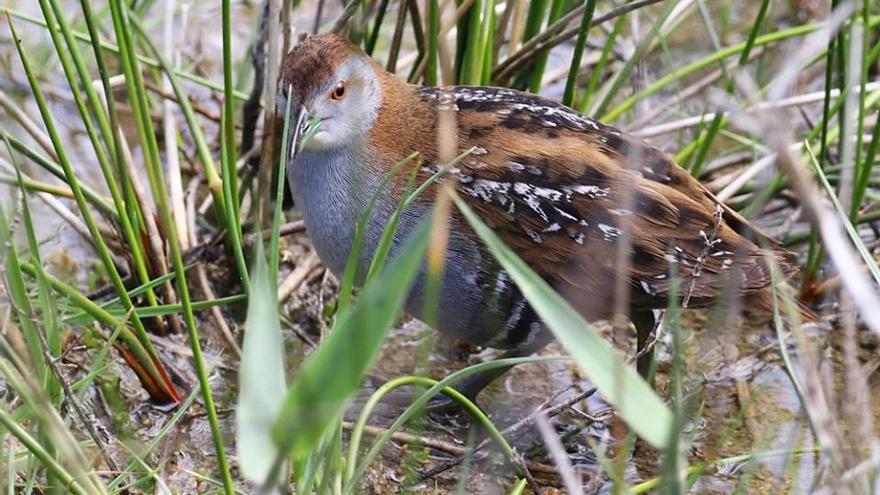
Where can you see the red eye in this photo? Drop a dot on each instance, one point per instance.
(339, 91)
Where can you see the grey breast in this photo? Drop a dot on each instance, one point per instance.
(332, 195)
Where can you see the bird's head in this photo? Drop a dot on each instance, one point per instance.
(334, 87)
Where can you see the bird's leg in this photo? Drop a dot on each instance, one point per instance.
(471, 386)
(644, 322)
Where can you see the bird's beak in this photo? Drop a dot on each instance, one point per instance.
(306, 127)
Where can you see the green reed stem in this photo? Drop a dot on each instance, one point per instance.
(597, 71)
(433, 32)
(540, 63)
(228, 155)
(621, 76)
(577, 55)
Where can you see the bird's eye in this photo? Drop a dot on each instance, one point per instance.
(338, 92)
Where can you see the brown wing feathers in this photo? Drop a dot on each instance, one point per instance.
(561, 188)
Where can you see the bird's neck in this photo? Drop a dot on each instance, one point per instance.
(404, 125)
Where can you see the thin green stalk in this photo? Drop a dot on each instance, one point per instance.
(870, 154)
(274, 254)
(168, 309)
(92, 197)
(52, 427)
(137, 95)
(863, 169)
(383, 248)
(419, 404)
(418, 30)
(779, 326)
(841, 60)
(110, 304)
(519, 488)
(472, 49)
(17, 293)
(814, 133)
(673, 458)
(463, 37)
(433, 31)
(232, 220)
(706, 139)
(540, 63)
(172, 422)
(46, 303)
(577, 55)
(534, 20)
(133, 210)
(31, 185)
(348, 277)
(216, 185)
(377, 24)
(229, 154)
(402, 381)
(597, 71)
(488, 38)
(854, 236)
(103, 317)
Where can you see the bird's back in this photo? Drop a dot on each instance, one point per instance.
(568, 193)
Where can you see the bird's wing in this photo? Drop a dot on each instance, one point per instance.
(566, 192)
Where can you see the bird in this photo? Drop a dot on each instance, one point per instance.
(567, 193)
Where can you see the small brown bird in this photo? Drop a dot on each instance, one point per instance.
(564, 191)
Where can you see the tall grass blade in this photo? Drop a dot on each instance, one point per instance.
(335, 371)
(537, 69)
(44, 297)
(637, 404)
(577, 55)
(261, 383)
(678, 74)
(19, 298)
(228, 154)
(433, 47)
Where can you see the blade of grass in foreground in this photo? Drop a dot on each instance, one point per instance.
(633, 398)
(261, 374)
(335, 371)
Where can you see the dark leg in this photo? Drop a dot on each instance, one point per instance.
(644, 322)
(471, 386)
